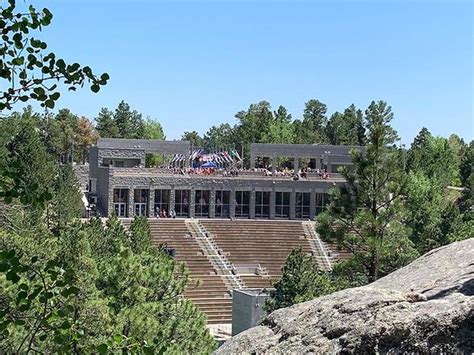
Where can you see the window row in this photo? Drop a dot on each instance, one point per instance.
(222, 203)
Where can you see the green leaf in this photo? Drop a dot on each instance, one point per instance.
(102, 348)
(49, 103)
(13, 276)
(95, 88)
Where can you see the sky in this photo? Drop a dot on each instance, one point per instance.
(194, 64)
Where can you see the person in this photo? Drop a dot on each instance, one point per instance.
(157, 212)
(172, 214)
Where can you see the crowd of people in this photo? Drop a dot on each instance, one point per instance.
(235, 172)
(162, 213)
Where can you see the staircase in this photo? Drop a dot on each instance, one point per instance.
(214, 254)
(321, 252)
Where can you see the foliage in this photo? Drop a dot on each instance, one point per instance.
(153, 130)
(194, 137)
(300, 281)
(219, 136)
(85, 136)
(25, 65)
(365, 215)
(27, 170)
(127, 294)
(346, 128)
(66, 204)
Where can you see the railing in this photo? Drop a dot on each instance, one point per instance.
(215, 254)
(318, 245)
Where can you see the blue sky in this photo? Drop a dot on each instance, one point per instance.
(194, 64)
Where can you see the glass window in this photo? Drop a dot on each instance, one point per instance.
(201, 204)
(282, 204)
(262, 204)
(181, 203)
(242, 204)
(322, 199)
(222, 203)
(302, 204)
(162, 201)
(140, 202)
(120, 202)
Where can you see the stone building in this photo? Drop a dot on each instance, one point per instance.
(121, 184)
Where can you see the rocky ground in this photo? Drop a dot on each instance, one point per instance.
(425, 307)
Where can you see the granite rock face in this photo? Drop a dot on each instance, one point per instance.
(425, 307)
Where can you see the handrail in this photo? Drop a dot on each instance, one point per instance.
(224, 263)
(320, 245)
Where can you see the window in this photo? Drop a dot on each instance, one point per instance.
(118, 164)
(120, 201)
(201, 205)
(321, 200)
(282, 204)
(222, 203)
(262, 204)
(242, 204)
(181, 203)
(302, 204)
(162, 201)
(140, 202)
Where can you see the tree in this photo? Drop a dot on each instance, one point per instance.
(129, 123)
(85, 137)
(312, 129)
(66, 204)
(27, 170)
(106, 125)
(153, 130)
(346, 128)
(300, 281)
(194, 138)
(25, 65)
(365, 214)
(219, 136)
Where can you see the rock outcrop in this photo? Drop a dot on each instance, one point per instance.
(425, 307)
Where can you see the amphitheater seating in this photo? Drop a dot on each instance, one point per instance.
(211, 296)
(267, 243)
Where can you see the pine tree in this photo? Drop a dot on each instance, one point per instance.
(365, 214)
(300, 281)
(106, 125)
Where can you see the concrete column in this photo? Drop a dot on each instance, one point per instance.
(272, 203)
(109, 205)
(252, 204)
(130, 202)
(274, 163)
(232, 204)
(192, 202)
(172, 198)
(312, 205)
(252, 161)
(293, 204)
(212, 203)
(296, 164)
(151, 202)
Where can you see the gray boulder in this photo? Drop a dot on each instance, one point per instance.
(425, 307)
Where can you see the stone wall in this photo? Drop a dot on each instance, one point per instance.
(82, 176)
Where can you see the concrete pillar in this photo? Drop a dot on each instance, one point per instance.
(212, 203)
(130, 203)
(296, 164)
(272, 203)
(232, 204)
(274, 163)
(293, 204)
(312, 205)
(192, 202)
(151, 202)
(252, 204)
(252, 161)
(172, 199)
